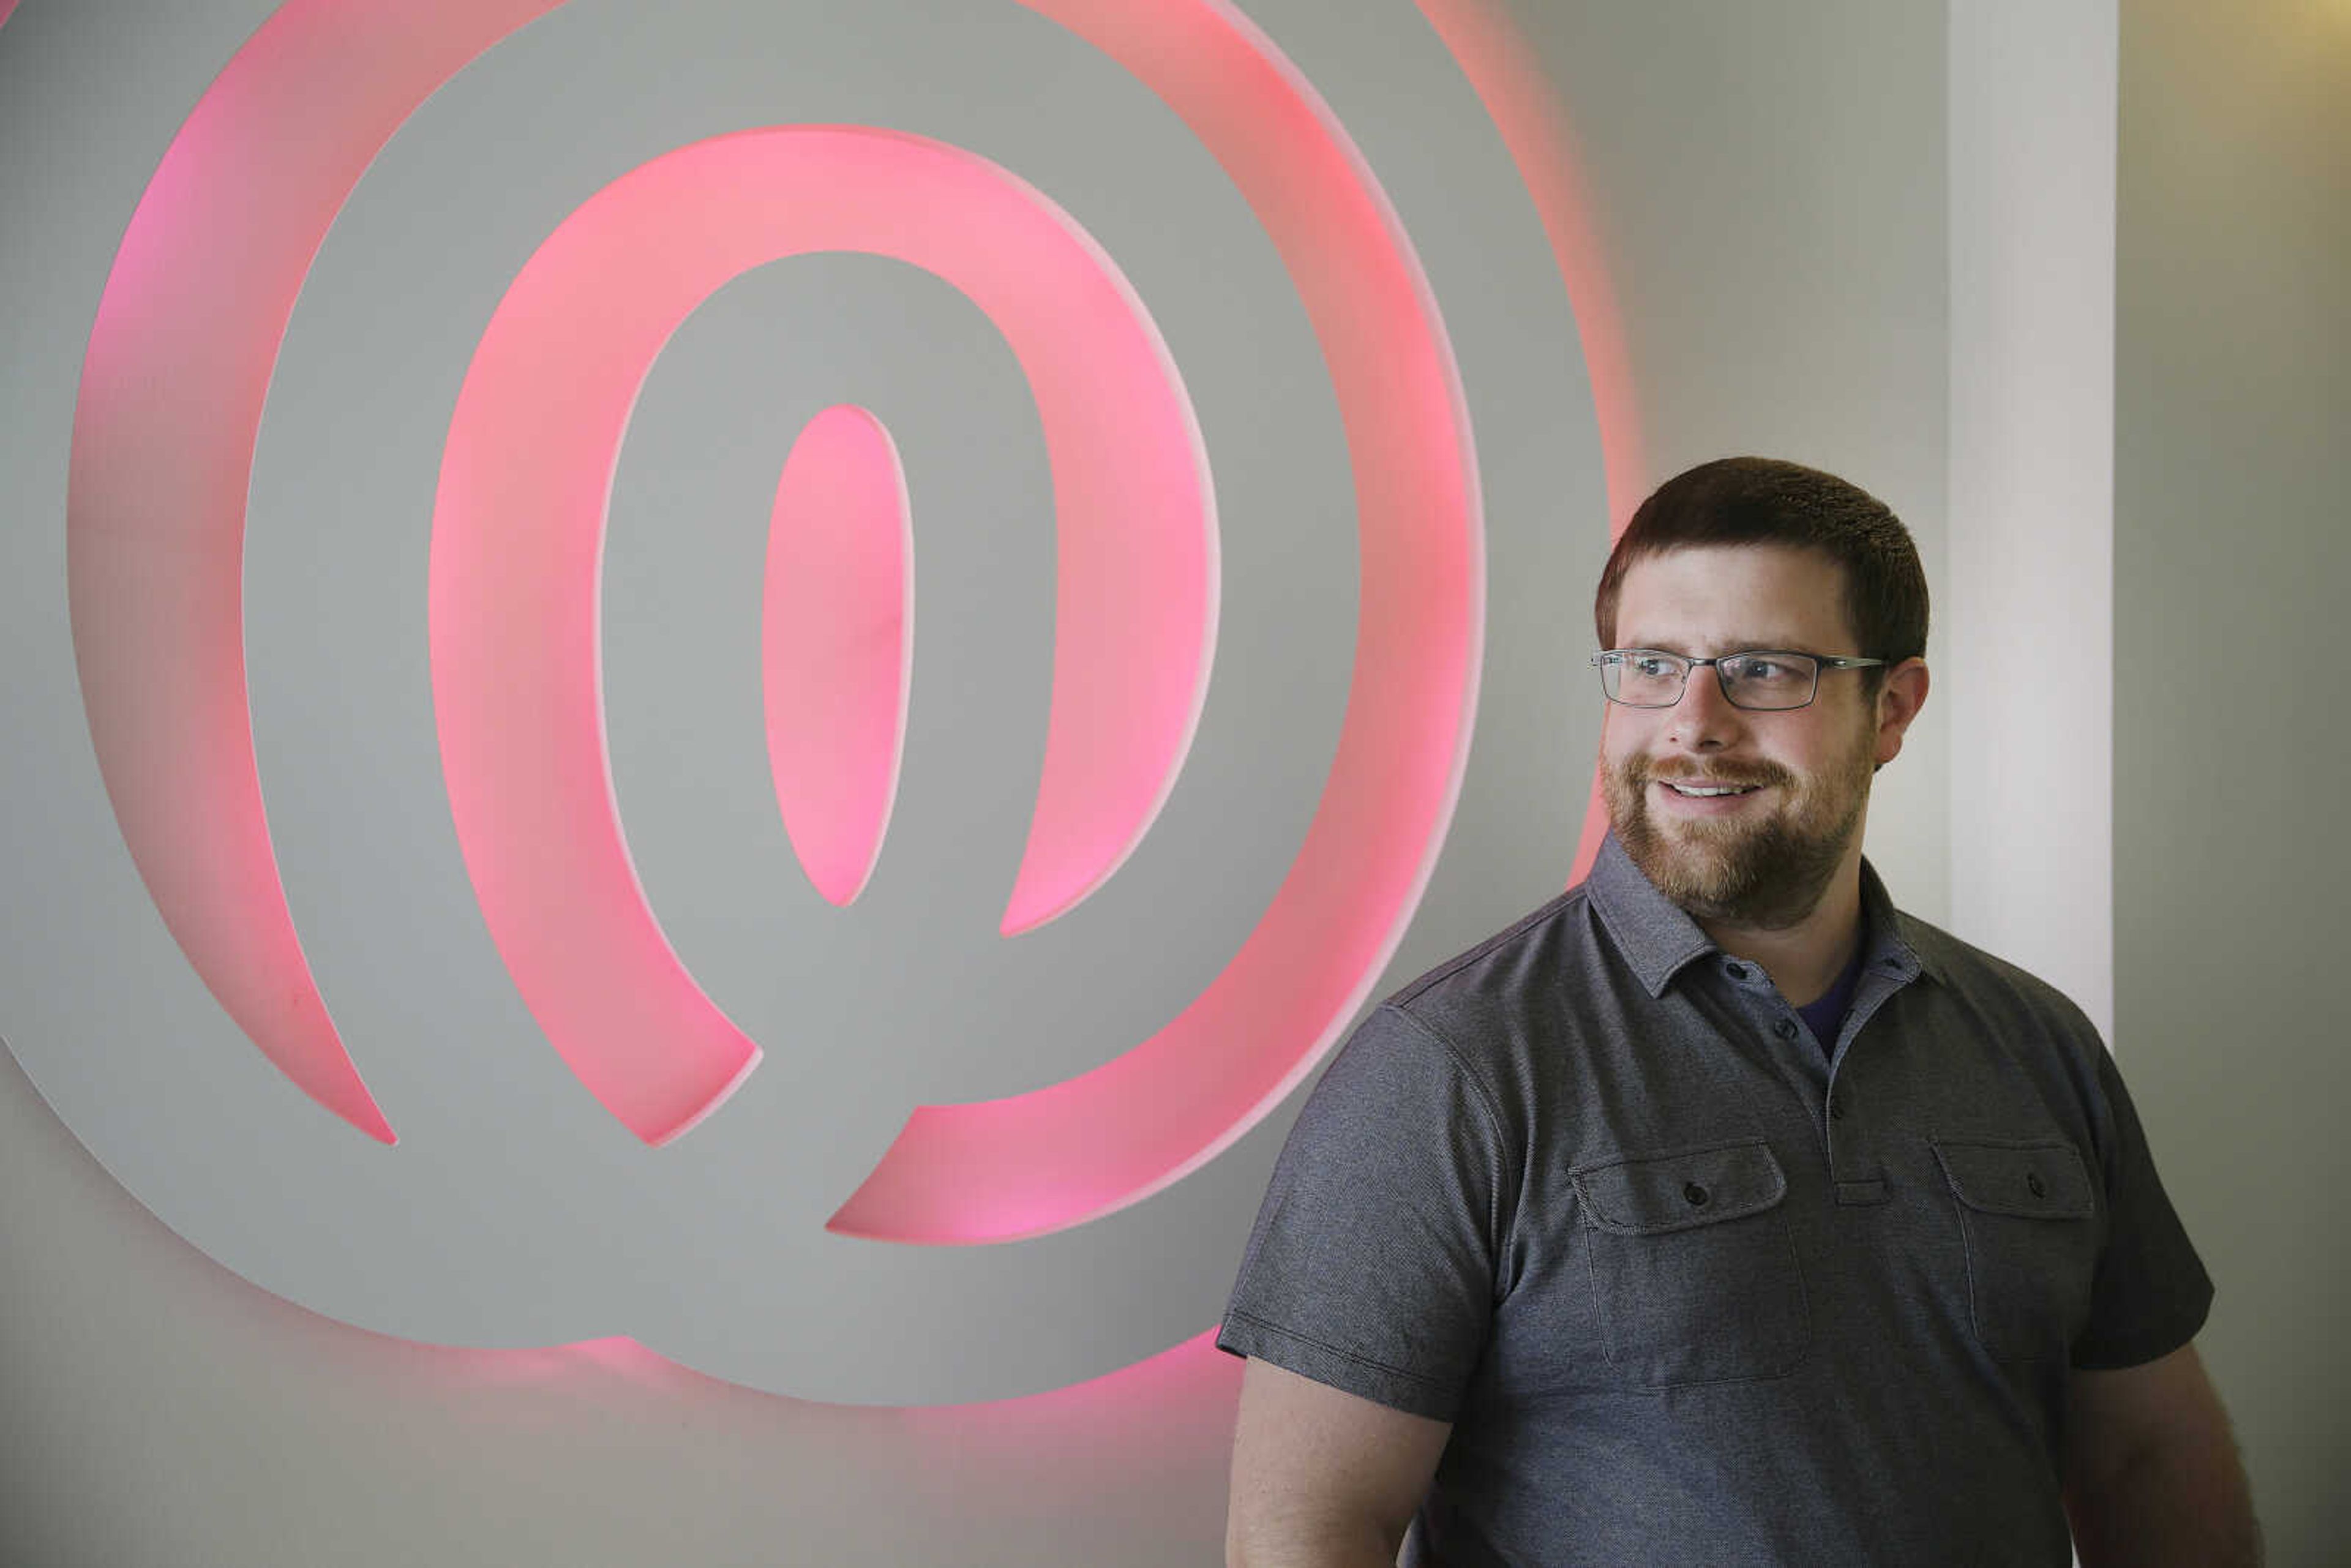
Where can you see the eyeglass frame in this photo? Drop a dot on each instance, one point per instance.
(1821, 664)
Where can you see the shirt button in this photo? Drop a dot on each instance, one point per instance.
(1696, 1194)
(1736, 971)
(2033, 1184)
(1786, 1029)
(1837, 1107)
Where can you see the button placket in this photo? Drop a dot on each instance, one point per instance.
(1858, 1178)
(1857, 1174)
(1764, 1016)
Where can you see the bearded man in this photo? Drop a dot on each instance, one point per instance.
(1719, 1212)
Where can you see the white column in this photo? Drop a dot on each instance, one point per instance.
(2029, 603)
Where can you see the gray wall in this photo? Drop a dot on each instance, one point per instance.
(2233, 388)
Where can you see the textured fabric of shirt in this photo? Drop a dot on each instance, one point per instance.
(1694, 1290)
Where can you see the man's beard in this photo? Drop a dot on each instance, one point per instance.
(1767, 874)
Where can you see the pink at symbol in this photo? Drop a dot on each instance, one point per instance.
(170, 400)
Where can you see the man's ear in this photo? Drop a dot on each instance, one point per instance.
(1899, 697)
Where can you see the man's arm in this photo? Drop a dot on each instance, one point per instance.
(1323, 1478)
(2152, 1475)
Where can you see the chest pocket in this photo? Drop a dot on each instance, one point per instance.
(2025, 1215)
(1694, 1274)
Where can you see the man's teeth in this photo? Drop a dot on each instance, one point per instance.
(1705, 791)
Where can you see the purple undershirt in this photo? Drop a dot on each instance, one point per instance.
(1825, 1017)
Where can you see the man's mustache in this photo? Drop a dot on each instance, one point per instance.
(1640, 770)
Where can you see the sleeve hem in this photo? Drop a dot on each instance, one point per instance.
(1241, 1335)
(2122, 1352)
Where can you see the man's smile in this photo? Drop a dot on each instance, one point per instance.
(1695, 799)
(1698, 790)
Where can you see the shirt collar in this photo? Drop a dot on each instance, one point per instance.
(1656, 936)
(1659, 938)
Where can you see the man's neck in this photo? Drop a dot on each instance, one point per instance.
(1805, 959)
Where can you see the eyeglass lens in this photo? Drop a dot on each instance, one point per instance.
(1646, 678)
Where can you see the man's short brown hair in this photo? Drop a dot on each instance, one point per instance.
(1764, 501)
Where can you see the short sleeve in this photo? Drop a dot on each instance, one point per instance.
(2151, 1293)
(1372, 1265)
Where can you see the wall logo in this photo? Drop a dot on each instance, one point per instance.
(694, 1196)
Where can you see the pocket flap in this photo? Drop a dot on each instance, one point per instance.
(2044, 1180)
(1654, 1194)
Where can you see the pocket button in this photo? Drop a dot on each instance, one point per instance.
(1697, 1195)
(2033, 1184)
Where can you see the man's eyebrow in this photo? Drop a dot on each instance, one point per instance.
(1782, 644)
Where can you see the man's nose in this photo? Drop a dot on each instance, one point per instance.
(1704, 716)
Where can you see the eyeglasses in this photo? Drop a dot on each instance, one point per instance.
(1764, 679)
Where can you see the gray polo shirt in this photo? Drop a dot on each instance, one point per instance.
(1693, 1290)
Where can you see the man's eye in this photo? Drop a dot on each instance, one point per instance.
(1649, 667)
(1761, 669)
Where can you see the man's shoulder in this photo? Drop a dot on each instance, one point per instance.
(1481, 1020)
(1521, 966)
(1990, 983)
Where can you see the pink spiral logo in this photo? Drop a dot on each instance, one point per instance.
(170, 407)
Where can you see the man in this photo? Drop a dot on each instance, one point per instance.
(1718, 1213)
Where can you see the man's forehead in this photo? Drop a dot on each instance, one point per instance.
(1727, 597)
